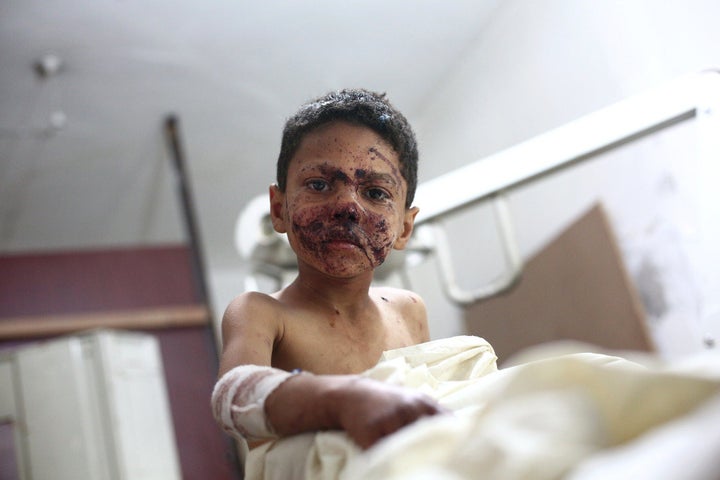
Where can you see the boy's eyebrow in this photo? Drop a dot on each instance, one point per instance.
(363, 175)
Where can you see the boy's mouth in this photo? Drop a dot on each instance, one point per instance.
(321, 235)
(342, 236)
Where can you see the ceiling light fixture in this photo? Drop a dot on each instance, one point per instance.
(48, 65)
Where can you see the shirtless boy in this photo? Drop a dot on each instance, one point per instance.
(346, 178)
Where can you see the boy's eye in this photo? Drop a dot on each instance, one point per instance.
(377, 194)
(317, 185)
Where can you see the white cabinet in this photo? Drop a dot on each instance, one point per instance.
(89, 407)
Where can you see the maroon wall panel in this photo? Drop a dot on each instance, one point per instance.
(205, 452)
(99, 280)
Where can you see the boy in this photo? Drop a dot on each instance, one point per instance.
(346, 178)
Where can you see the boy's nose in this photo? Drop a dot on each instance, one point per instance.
(346, 208)
(347, 211)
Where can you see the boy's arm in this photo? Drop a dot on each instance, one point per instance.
(366, 409)
(249, 332)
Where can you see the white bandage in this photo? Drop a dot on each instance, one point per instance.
(238, 400)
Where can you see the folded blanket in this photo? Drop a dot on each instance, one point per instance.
(537, 420)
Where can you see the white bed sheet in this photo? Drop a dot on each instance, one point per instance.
(551, 416)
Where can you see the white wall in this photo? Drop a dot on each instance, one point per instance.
(536, 66)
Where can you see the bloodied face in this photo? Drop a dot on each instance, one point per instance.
(344, 205)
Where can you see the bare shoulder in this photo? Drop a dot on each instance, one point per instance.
(249, 303)
(251, 326)
(409, 306)
(400, 298)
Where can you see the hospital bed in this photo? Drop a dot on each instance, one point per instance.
(558, 411)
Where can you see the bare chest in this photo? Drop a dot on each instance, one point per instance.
(333, 346)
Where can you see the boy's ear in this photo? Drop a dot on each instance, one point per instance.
(408, 225)
(277, 208)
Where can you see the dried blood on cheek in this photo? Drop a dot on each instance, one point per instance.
(381, 241)
(309, 227)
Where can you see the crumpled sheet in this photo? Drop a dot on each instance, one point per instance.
(554, 415)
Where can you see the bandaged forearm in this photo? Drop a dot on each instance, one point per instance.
(238, 400)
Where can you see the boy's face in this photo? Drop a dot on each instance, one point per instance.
(343, 208)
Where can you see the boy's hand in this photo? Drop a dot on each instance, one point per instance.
(369, 410)
(366, 409)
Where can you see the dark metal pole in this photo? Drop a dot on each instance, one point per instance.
(172, 132)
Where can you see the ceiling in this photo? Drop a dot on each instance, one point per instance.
(83, 161)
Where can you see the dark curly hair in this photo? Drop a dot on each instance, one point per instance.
(361, 107)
